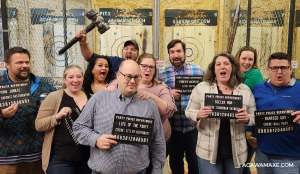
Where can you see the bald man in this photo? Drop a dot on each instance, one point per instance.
(95, 124)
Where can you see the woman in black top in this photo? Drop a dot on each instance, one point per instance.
(61, 151)
(98, 74)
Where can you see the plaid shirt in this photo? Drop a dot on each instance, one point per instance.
(178, 121)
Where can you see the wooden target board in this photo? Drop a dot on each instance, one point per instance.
(266, 36)
(196, 28)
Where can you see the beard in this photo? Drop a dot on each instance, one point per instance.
(178, 65)
(23, 77)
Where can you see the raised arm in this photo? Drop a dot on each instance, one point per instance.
(84, 47)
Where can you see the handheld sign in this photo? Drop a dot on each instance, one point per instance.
(11, 93)
(274, 121)
(223, 106)
(133, 130)
(187, 83)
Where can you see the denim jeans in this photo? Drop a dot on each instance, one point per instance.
(276, 164)
(179, 144)
(223, 164)
(141, 172)
(58, 165)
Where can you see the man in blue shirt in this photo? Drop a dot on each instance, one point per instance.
(20, 143)
(279, 153)
(184, 135)
(95, 124)
(129, 52)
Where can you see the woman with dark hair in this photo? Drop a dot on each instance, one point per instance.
(98, 74)
(247, 60)
(221, 145)
(61, 152)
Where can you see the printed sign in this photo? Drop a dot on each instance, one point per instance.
(187, 83)
(294, 64)
(133, 130)
(44, 15)
(263, 18)
(223, 106)
(2, 66)
(274, 121)
(125, 16)
(11, 93)
(176, 17)
(160, 64)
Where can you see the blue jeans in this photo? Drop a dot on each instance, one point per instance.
(276, 164)
(179, 144)
(58, 165)
(223, 164)
(142, 172)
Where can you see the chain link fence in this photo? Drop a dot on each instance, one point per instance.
(269, 25)
(44, 27)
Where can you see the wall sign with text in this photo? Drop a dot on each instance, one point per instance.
(174, 17)
(132, 129)
(274, 121)
(11, 93)
(223, 106)
(187, 83)
(125, 16)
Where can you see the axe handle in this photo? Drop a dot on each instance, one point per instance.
(75, 39)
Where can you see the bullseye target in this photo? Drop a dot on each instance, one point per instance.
(194, 50)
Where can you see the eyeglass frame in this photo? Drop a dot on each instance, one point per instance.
(130, 76)
(279, 67)
(150, 67)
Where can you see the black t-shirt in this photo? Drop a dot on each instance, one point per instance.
(224, 144)
(62, 144)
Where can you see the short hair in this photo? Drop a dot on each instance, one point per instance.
(281, 56)
(66, 72)
(247, 48)
(235, 77)
(8, 53)
(149, 56)
(89, 76)
(173, 42)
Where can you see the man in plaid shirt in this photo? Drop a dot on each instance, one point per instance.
(184, 135)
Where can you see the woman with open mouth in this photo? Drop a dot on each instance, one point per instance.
(247, 60)
(221, 146)
(98, 74)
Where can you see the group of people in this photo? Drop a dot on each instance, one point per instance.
(70, 132)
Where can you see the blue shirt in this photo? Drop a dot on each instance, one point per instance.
(268, 98)
(19, 140)
(178, 121)
(97, 118)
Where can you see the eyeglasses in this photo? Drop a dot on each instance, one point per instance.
(276, 68)
(145, 67)
(129, 77)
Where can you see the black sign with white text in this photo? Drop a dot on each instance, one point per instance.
(274, 121)
(133, 130)
(11, 93)
(187, 83)
(223, 106)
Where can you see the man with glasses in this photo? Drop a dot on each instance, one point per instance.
(95, 123)
(282, 91)
(129, 52)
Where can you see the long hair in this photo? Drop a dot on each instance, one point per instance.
(66, 73)
(247, 48)
(235, 76)
(149, 56)
(89, 76)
